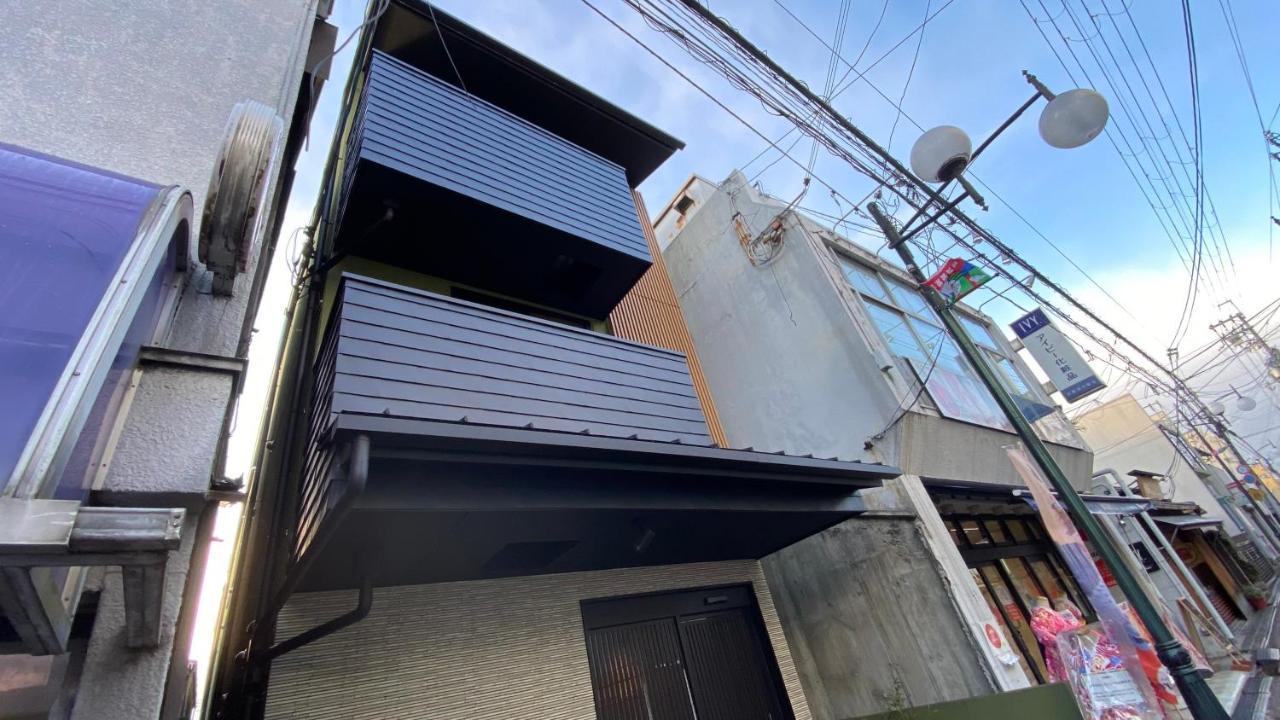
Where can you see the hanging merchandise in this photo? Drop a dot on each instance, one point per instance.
(1102, 660)
(1096, 671)
(1048, 624)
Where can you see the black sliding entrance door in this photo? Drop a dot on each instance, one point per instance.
(694, 655)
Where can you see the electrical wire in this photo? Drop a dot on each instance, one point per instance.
(911, 73)
(746, 68)
(902, 113)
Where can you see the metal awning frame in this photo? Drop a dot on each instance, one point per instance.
(38, 537)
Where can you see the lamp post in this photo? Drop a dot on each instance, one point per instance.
(942, 155)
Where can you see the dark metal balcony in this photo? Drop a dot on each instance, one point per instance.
(445, 183)
(453, 441)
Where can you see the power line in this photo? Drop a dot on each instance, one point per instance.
(845, 82)
(1229, 15)
(1193, 229)
(783, 95)
(903, 113)
(911, 72)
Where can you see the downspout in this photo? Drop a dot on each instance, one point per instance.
(1188, 579)
(342, 621)
(352, 486)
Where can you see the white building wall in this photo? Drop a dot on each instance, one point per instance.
(795, 364)
(1124, 437)
(512, 648)
(145, 88)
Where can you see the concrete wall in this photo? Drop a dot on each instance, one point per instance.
(511, 648)
(145, 89)
(870, 621)
(794, 362)
(1124, 437)
(936, 447)
(785, 364)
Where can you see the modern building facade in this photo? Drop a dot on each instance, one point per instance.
(122, 348)
(813, 343)
(492, 482)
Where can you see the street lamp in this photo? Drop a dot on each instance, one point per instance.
(942, 155)
(1243, 402)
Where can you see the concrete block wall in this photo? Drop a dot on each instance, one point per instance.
(512, 648)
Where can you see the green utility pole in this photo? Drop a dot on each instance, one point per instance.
(1200, 699)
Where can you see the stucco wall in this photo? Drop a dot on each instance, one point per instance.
(795, 365)
(145, 88)
(511, 648)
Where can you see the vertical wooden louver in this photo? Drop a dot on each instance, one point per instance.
(650, 313)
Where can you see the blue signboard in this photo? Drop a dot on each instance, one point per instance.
(1056, 356)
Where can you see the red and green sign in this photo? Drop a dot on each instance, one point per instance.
(957, 278)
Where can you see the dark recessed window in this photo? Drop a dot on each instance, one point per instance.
(516, 306)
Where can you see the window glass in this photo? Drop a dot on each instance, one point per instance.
(1018, 530)
(911, 300)
(1013, 380)
(955, 534)
(948, 354)
(864, 280)
(995, 531)
(1069, 581)
(893, 326)
(1049, 580)
(977, 331)
(1023, 582)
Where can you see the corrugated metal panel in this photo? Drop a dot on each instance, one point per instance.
(650, 313)
(488, 650)
(728, 668)
(410, 353)
(426, 128)
(637, 672)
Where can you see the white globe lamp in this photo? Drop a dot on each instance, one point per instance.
(1073, 118)
(1217, 408)
(1245, 403)
(941, 154)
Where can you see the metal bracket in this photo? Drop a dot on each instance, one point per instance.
(233, 366)
(40, 535)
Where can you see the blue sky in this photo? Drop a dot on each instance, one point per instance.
(967, 73)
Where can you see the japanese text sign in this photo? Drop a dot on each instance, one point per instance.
(1056, 356)
(957, 278)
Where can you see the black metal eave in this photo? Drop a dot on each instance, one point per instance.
(494, 444)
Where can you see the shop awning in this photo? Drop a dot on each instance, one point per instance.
(1186, 521)
(1100, 504)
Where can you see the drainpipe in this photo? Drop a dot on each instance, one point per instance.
(1189, 580)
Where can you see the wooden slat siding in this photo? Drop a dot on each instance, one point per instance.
(411, 353)
(650, 313)
(428, 129)
(484, 650)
